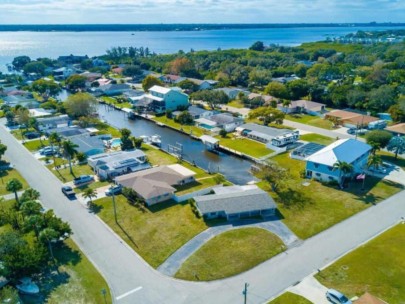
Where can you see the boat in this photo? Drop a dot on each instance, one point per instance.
(155, 140)
(145, 138)
(26, 286)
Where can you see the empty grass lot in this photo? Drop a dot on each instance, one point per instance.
(230, 253)
(314, 208)
(154, 233)
(245, 145)
(310, 120)
(377, 267)
(188, 129)
(290, 298)
(317, 138)
(6, 175)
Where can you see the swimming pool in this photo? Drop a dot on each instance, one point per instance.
(206, 126)
(115, 142)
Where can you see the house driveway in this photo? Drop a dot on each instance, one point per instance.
(174, 262)
(393, 173)
(311, 289)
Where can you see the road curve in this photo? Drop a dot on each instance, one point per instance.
(132, 280)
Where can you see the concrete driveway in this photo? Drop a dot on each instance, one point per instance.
(311, 289)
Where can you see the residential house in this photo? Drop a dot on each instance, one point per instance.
(303, 106)
(159, 99)
(268, 135)
(368, 298)
(398, 129)
(171, 79)
(198, 112)
(286, 79)
(90, 77)
(320, 164)
(117, 70)
(54, 122)
(133, 95)
(205, 84)
(113, 89)
(63, 72)
(350, 119)
(109, 165)
(232, 93)
(235, 203)
(88, 144)
(25, 100)
(225, 121)
(266, 98)
(156, 185)
(65, 131)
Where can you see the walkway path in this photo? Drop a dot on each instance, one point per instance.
(174, 262)
(132, 280)
(11, 196)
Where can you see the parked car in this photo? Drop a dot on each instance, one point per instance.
(83, 179)
(114, 190)
(68, 191)
(337, 297)
(31, 135)
(48, 151)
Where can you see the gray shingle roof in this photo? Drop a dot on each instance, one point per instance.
(237, 202)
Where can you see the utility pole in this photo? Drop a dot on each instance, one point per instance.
(245, 291)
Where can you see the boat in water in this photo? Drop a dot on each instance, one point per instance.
(26, 286)
(156, 140)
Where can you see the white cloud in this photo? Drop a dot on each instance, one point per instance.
(199, 11)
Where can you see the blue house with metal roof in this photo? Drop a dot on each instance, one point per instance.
(320, 164)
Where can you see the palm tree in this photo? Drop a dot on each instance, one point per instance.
(30, 195)
(69, 151)
(374, 161)
(14, 185)
(344, 169)
(47, 236)
(54, 139)
(90, 193)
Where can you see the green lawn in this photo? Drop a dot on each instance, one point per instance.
(310, 120)
(314, 208)
(113, 101)
(64, 174)
(377, 267)
(188, 129)
(245, 145)
(199, 184)
(154, 233)
(35, 145)
(6, 175)
(290, 298)
(236, 104)
(317, 138)
(230, 253)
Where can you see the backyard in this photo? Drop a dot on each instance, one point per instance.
(290, 298)
(113, 101)
(381, 273)
(315, 121)
(310, 209)
(189, 129)
(244, 145)
(230, 253)
(155, 232)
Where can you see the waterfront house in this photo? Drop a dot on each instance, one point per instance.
(159, 99)
(109, 165)
(156, 185)
(236, 202)
(268, 135)
(88, 144)
(197, 112)
(225, 121)
(303, 106)
(113, 89)
(320, 164)
(47, 123)
(350, 119)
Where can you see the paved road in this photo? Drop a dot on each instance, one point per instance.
(131, 280)
(174, 262)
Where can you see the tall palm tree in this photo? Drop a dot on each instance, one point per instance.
(374, 161)
(69, 151)
(14, 185)
(344, 169)
(48, 235)
(54, 139)
(90, 193)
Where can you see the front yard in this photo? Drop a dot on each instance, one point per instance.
(377, 267)
(290, 298)
(154, 233)
(308, 210)
(244, 145)
(36, 144)
(314, 121)
(6, 175)
(230, 253)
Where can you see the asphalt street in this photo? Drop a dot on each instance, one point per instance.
(132, 280)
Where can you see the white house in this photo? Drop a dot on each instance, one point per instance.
(109, 165)
(224, 121)
(159, 99)
(320, 164)
(54, 122)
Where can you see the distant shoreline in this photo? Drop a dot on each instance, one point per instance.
(176, 27)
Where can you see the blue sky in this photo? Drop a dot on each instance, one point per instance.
(200, 11)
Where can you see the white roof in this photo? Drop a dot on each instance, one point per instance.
(209, 139)
(39, 112)
(150, 96)
(159, 89)
(206, 121)
(182, 170)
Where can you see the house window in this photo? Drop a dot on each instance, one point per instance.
(318, 174)
(316, 165)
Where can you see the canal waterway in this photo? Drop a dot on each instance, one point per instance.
(235, 169)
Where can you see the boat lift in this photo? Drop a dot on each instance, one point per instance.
(210, 143)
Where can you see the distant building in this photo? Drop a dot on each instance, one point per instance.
(63, 73)
(268, 135)
(350, 119)
(286, 78)
(303, 106)
(320, 164)
(398, 129)
(232, 93)
(156, 185)
(109, 165)
(205, 84)
(235, 203)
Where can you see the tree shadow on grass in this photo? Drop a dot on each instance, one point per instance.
(294, 198)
